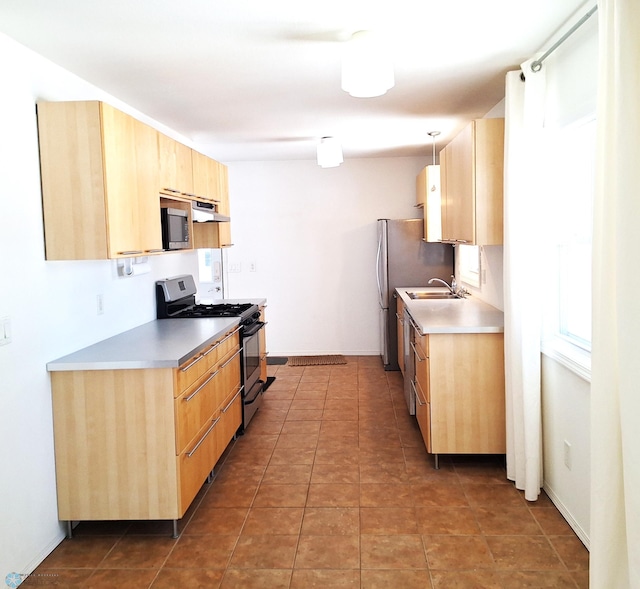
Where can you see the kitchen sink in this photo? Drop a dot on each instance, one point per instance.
(422, 295)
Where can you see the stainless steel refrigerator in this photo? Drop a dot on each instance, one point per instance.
(404, 259)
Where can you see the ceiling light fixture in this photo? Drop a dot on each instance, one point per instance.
(367, 70)
(329, 152)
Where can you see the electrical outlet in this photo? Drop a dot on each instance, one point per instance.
(5, 331)
(567, 454)
(100, 304)
(252, 266)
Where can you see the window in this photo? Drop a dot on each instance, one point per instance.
(569, 178)
(469, 264)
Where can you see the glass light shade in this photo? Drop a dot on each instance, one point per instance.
(367, 70)
(329, 153)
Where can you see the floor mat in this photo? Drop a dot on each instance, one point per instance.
(316, 360)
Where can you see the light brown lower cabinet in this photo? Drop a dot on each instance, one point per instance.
(139, 444)
(460, 404)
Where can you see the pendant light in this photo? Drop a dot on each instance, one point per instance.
(329, 153)
(433, 204)
(367, 70)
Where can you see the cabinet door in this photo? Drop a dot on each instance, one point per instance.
(130, 172)
(466, 393)
(205, 176)
(175, 167)
(459, 217)
(489, 180)
(224, 229)
(210, 181)
(71, 167)
(115, 444)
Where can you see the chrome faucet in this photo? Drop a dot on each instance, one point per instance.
(453, 287)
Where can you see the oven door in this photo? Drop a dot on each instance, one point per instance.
(251, 354)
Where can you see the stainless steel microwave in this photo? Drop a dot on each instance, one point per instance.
(175, 229)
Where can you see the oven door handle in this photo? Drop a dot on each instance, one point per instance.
(253, 329)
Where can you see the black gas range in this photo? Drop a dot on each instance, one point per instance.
(176, 299)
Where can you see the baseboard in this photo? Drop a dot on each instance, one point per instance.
(562, 508)
(46, 551)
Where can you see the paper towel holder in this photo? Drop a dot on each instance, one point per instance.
(128, 267)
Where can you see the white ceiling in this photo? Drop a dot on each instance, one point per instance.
(260, 80)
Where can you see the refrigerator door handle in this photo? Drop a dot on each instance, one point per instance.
(380, 271)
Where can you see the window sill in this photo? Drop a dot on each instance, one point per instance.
(568, 355)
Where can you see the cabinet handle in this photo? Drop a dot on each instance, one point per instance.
(130, 253)
(192, 395)
(212, 348)
(415, 351)
(415, 392)
(229, 360)
(154, 251)
(192, 363)
(226, 245)
(232, 400)
(202, 439)
(224, 339)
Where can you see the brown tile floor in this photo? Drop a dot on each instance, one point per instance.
(331, 487)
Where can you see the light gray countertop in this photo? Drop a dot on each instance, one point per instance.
(468, 315)
(165, 343)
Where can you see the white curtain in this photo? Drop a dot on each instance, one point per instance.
(524, 106)
(615, 376)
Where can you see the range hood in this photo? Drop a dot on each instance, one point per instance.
(205, 212)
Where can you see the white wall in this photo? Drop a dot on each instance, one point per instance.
(566, 417)
(52, 307)
(311, 233)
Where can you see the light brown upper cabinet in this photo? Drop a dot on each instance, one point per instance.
(99, 171)
(175, 167)
(211, 182)
(472, 179)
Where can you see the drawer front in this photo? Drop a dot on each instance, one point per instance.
(196, 366)
(231, 418)
(229, 377)
(195, 407)
(422, 372)
(200, 401)
(189, 373)
(422, 343)
(197, 461)
(423, 416)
